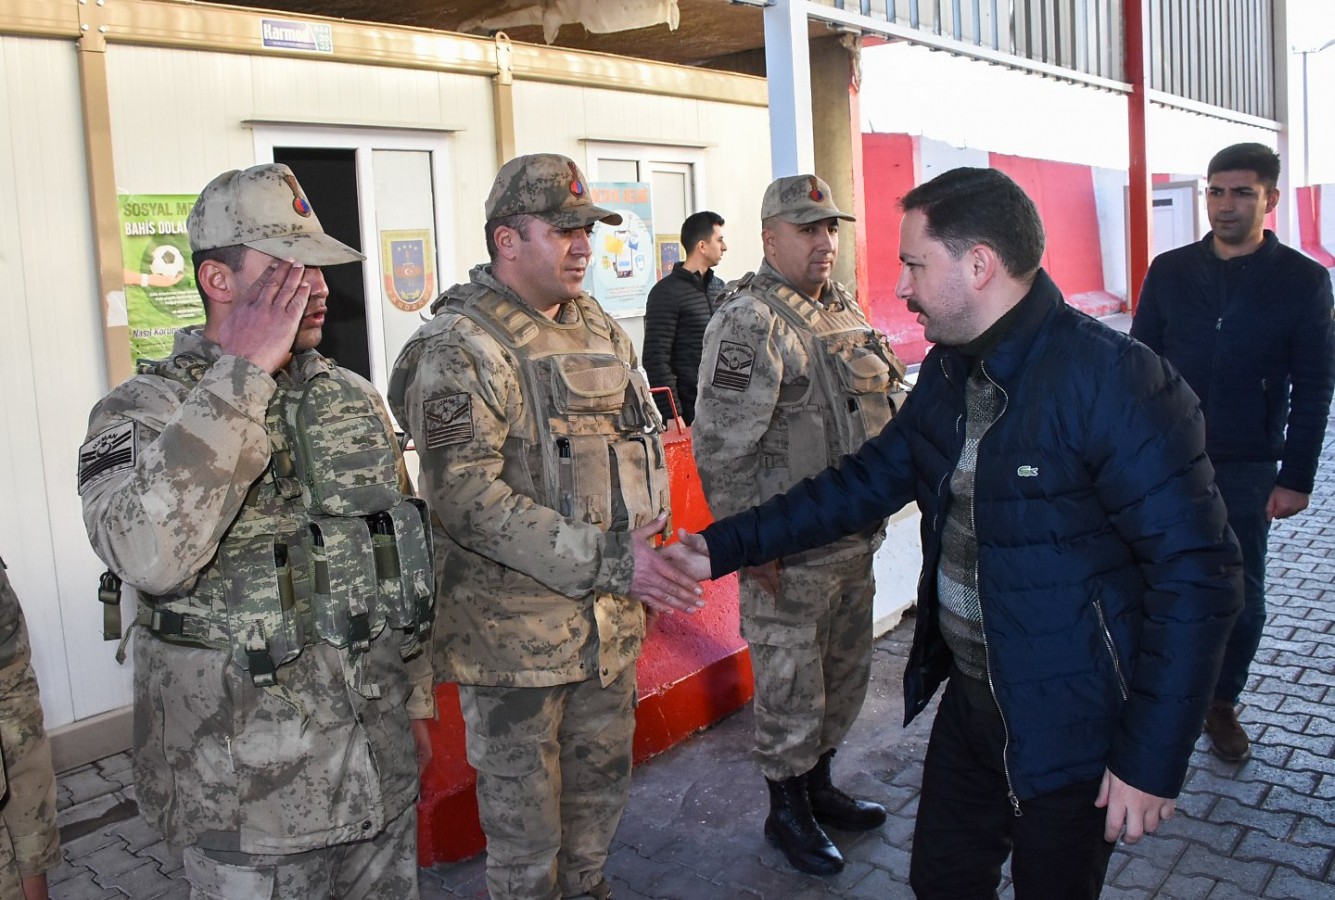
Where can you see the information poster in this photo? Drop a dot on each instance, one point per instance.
(669, 254)
(160, 294)
(624, 266)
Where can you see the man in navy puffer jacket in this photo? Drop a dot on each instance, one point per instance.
(1247, 321)
(1079, 580)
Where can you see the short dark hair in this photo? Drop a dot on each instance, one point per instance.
(965, 207)
(698, 227)
(1247, 157)
(232, 256)
(518, 222)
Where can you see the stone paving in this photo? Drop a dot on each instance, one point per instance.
(692, 830)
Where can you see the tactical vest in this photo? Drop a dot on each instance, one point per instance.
(848, 398)
(588, 446)
(325, 549)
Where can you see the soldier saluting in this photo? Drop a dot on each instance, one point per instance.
(254, 494)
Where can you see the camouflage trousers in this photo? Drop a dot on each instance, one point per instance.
(811, 658)
(29, 841)
(381, 867)
(553, 776)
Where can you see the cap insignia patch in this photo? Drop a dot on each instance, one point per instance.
(299, 203)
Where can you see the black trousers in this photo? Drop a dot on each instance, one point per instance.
(966, 825)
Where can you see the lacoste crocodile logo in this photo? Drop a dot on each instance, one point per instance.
(1027, 471)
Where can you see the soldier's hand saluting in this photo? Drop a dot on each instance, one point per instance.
(263, 322)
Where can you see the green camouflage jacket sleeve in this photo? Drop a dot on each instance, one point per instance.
(163, 476)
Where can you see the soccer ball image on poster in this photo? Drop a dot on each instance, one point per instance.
(160, 293)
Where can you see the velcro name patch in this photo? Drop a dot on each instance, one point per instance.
(732, 370)
(449, 420)
(111, 451)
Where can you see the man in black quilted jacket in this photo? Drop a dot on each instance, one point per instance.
(1247, 321)
(1079, 578)
(679, 309)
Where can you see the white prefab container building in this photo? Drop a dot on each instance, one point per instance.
(403, 128)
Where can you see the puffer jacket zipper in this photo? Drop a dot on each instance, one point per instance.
(987, 650)
(1112, 648)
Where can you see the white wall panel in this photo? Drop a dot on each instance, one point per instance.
(213, 94)
(973, 104)
(177, 120)
(176, 117)
(738, 161)
(51, 364)
(559, 118)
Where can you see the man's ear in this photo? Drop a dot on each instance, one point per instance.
(215, 281)
(507, 242)
(984, 264)
(1271, 199)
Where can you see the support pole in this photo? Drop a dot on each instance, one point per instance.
(503, 94)
(1140, 190)
(788, 71)
(95, 93)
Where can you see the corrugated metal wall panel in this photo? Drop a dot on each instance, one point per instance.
(1217, 52)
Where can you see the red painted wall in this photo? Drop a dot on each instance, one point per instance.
(888, 174)
(695, 670)
(1309, 225)
(1064, 195)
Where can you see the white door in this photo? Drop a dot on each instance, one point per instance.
(1178, 214)
(402, 197)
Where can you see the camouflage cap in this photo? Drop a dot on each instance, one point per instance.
(549, 186)
(264, 208)
(801, 199)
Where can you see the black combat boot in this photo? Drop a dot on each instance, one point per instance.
(833, 807)
(791, 828)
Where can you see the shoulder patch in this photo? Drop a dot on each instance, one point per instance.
(111, 451)
(732, 370)
(449, 420)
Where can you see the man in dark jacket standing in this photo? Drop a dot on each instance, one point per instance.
(1247, 321)
(1078, 577)
(678, 310)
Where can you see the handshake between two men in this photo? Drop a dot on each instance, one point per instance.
(667, 578)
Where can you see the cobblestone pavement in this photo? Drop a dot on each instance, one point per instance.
(692, 830)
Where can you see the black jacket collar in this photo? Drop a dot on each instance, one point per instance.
(700, 282)
(1006, 357)
(1269, 244)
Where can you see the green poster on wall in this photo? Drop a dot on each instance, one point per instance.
(160, 294)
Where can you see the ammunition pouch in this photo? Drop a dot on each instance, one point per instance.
(325, 549)
(591, 450)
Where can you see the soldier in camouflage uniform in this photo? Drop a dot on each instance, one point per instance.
(791, 379)
(541, 461)
(254, 494)
(29, 841)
